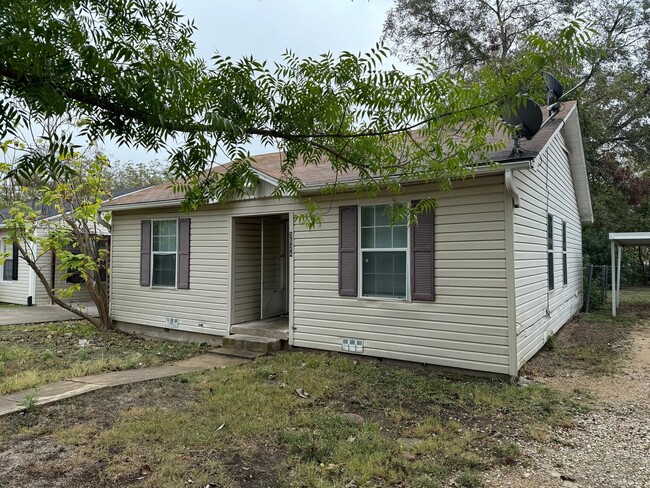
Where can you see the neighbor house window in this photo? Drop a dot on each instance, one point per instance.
(74, 276)
(565, 277)
(384, 250)
(549, 246)
(9, 267)
(164, 252)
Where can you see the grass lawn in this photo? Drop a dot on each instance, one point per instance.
(10, 305)
(364, 424)
(33, 355)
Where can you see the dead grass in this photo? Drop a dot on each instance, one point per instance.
(34, 355)
(368, 423)
(595, 343)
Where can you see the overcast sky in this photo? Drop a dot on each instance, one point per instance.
(266, 28)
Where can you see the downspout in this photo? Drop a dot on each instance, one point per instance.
(511, 187)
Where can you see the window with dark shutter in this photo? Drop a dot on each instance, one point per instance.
(145, 253)
(14, 261)
(348, 249)
(565, 277)
(184, 254)
(422, 257)
(550, 268)
(9, 269)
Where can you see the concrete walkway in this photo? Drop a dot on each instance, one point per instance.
(76, 386)
(38, 315)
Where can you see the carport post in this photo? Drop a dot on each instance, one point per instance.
(613, 279)
(618, 277)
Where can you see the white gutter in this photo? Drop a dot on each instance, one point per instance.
(511, 187)
(479, 171)
(316, 189)
(136, 206)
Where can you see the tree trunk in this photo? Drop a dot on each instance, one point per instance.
(101, 301)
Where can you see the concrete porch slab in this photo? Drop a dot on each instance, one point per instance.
(273, 328)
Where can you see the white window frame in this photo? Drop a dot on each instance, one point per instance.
(407, 250)
(167, 287)
(3, 249)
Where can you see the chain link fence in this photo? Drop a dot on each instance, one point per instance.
(635, 287)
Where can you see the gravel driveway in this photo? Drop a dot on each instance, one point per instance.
(607, 448)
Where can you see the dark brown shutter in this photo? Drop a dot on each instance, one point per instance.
(145, 253)
(422, 258)
(348, 263)
(184, 254)
(14, 258)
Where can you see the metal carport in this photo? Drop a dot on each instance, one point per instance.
(618, 241)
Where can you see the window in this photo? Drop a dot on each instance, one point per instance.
(9, 271)
(381, 253)
(384, 250)
(549, 246)
(74, 276)
(565, 277)
(164, 252)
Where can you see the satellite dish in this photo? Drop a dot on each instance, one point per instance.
(526, 118)
(553, 86)
(553, 94)
(524, 115)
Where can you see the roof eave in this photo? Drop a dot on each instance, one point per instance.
(573, 138)
(141, 205)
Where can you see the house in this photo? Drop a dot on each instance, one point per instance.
(19, 283)
(479, 284)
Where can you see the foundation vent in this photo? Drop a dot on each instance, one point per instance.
(171, 322)
(352, 345)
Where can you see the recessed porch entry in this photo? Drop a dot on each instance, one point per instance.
(260, 274)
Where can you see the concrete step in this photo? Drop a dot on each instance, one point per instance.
(236, 353)
(251, 343)
(270, 331)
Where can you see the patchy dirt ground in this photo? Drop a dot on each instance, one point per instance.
(364, 424)
(609, 446)
(43, 444)
(34, 355)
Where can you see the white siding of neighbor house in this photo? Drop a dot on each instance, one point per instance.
(15, 291)
(41, 298)
(548, 188)
(465, 327)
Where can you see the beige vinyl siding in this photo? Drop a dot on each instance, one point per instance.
(465, 327)
(205, 306)
(15, 291)
(548, 188)
(247, 269)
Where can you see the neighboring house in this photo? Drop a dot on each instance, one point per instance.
(19, 284)
(479, 284)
